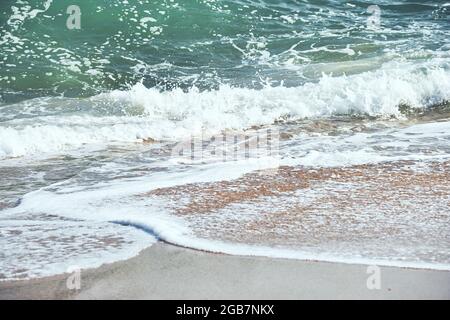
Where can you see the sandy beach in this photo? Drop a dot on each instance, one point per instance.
(168, 272)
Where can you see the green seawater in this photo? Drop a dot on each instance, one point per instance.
(182, 43)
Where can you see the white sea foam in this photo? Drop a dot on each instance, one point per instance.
(125, 201)
(177, 114)
(426, 141)
(174, 116)
(57, 135)
(37, 248)
(373, 93)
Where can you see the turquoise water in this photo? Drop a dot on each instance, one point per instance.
(205, 43)
(90, 120)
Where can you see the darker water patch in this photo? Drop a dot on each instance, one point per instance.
(435, 111)
(138, 226)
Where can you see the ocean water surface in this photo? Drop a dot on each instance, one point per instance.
(295, 129)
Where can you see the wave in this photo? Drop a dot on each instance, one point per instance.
(375, 93)
(142, 113)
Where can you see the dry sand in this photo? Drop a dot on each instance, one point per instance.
(167, 272)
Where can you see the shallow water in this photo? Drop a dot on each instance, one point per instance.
(124, 131)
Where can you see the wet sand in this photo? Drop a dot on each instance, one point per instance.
(168, 272)
(391, 211)
(383, 206)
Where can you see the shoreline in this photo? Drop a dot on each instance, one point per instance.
(164, 271)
